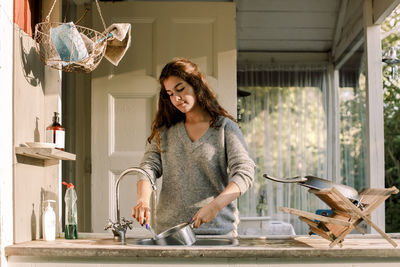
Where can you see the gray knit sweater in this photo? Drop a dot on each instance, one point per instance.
(194, 173)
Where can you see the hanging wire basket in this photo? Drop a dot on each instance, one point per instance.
(69, 47)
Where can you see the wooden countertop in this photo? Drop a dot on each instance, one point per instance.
(357, 246)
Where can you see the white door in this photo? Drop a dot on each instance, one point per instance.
(124, 98)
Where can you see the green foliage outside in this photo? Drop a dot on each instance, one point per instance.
(391, 87)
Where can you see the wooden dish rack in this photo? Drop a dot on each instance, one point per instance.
(346, 216)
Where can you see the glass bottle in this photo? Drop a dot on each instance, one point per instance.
(55, 133)
(71, 214)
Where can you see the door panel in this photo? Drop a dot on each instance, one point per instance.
(124, 98)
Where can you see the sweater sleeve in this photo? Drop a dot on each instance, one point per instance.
(151, 161)
(241, 166)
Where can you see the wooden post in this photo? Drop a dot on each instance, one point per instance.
(333, 125)
(375, 136)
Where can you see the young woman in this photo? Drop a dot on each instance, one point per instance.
(199, 150)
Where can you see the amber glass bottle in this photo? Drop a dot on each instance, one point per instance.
(55, 133)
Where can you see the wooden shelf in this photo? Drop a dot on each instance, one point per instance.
(44, 153)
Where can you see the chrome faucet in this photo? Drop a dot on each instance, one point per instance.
(120, 226)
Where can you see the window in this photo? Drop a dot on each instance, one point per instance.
(283, 119)
(352, 112)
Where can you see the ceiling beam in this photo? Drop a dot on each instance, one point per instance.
(351, 34)
(382, 9)
(339, 25)
(282, 57)
(342, 60)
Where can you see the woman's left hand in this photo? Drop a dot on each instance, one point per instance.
(205, 214)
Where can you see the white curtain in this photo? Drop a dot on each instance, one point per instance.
(282, 113)
(353, 131)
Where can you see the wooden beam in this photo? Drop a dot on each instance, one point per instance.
(355, 46)
(284, 46)
(280, 19)
(346, 40)
(288, 34)
(281, 57)
(374, 101)
(339, 25)
(382, 9)
(333, 125)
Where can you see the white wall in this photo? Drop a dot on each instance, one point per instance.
(36, 96)
(6, 138)
(28, 96)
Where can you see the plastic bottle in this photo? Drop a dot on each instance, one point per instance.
(49, 222)
(55, 133)
(71, 218)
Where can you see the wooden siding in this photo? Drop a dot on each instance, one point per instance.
(286, 25)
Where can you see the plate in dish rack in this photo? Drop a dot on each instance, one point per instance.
(41, 145)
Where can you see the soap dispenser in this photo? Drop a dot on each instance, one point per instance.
(49, 222)
(55, 133)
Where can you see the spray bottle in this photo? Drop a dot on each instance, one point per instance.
(71, 218)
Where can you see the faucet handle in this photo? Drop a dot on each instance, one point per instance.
(109, 225)
(126, 223)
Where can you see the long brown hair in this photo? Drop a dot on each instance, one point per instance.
(167, 114)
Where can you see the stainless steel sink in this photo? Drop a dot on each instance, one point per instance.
(199, 242)
(150, 242)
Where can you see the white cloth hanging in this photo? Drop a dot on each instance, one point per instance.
(118, 43)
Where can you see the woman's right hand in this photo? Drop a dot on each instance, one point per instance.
(141, 212)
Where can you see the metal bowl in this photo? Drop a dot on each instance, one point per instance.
(181, 234)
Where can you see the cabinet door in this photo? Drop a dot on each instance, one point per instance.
(124, 98)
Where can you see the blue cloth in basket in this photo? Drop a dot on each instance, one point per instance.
(68, 43)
